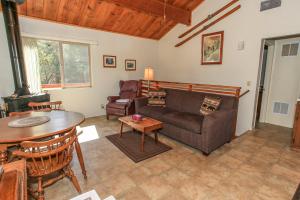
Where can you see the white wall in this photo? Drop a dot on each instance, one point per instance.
(249, 25)
(284, 85)
(6, 80)
(104, 80)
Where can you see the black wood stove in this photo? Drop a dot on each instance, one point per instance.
(19, 100)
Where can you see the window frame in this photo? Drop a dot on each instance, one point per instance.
(62, 85)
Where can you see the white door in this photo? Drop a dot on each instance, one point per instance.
(285, 83)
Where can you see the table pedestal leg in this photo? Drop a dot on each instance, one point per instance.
(3, 155)
(80, 158)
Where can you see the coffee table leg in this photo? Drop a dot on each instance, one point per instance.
(156, 137)
(80, 158)
(121, 129)
(143, 141)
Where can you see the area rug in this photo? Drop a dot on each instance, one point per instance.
(130, 143)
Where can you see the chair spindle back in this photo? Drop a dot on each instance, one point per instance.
(48, 156)
(13, 114)
(55, 105)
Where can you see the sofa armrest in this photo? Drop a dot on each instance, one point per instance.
(217, 129)
(113, 98)
(140, 102)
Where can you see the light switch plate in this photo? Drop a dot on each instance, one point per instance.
(241, 45)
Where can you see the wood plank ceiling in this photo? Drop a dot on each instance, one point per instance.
(105, 15)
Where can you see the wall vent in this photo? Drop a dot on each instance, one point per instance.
(269, 4)
(290, 49)
(281, 108)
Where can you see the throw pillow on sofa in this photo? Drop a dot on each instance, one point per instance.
(209, 105)
(157, 98)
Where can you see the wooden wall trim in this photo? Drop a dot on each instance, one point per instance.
(207, 88)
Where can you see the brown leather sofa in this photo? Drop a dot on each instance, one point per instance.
(184, 122)
(128, 90)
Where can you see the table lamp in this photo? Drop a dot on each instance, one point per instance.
(149, 75)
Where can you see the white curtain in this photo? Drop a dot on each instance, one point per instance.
(32, 64)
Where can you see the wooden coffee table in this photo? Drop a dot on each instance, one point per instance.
(146, 126)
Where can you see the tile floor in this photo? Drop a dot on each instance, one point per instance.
(258, 165)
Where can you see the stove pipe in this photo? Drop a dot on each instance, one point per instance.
(10, 14)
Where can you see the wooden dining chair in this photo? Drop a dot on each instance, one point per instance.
(47, 106)
(13, 114)
(52, 157)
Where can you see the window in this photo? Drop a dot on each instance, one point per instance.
(63, 64)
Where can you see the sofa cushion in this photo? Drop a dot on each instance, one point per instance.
(174, 99)
(192, 102)
(188, 121)
(155, 112)
(187, 101)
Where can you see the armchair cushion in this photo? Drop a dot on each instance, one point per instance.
(113, 98)
(123, 100)
(127, 95)
(129, 89)
(188, 121)
(131, 86)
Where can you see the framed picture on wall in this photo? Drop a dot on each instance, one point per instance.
(130, 65)
(212, 48)
(109, 61)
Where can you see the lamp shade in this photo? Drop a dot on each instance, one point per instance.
(149, 74)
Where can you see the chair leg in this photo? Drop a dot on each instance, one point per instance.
(80, 158)
(40, 189)
(71, 175)
(107, 116)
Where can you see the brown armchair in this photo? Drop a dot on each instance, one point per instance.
(128, 90)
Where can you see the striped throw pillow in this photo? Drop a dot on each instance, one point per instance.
(157, 98)
(210, 105)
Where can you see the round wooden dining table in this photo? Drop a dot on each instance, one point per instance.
(60, 121)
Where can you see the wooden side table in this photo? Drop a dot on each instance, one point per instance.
(146, 126)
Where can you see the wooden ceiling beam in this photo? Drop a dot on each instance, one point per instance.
(156, 8)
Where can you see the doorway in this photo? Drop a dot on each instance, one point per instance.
(279, 81)
(262, 82)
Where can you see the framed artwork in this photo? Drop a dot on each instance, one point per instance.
(130, 65)
(212, 48)
(109, 61)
